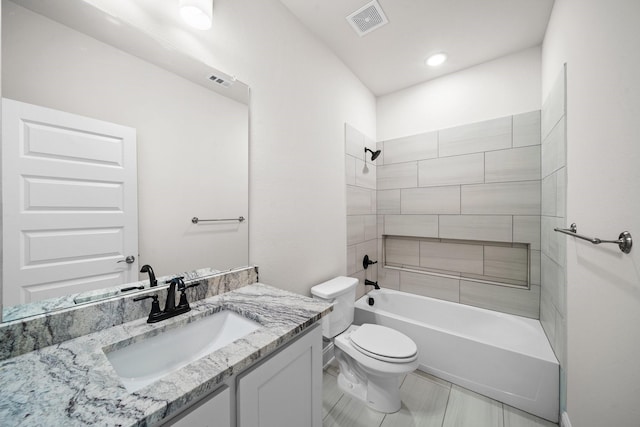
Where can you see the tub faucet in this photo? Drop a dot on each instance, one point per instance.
(152, 277)
(368, 282)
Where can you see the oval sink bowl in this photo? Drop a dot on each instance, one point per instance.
(144, 362)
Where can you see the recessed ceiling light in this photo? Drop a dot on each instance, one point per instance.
(197, 13)
(436, 59)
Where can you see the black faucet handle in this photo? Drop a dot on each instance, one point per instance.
(155, 306)
(183, 294)
(155, 297)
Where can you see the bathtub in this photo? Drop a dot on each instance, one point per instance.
(502, 356)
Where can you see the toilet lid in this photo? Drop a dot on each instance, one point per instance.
(383, 343)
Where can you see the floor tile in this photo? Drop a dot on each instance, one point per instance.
(516, 418)
(469, 409)
(350, 412)
(331, 394)
(423, 403)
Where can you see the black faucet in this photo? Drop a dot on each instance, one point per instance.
(152, 277)
(368, 282)
(170, 309)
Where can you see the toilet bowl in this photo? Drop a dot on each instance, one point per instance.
(373, 359)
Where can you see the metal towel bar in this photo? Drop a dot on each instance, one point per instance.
(624, 241)
(196, 220)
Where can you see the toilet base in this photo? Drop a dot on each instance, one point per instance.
(380, 393)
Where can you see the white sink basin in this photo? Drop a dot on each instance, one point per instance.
(146, 361)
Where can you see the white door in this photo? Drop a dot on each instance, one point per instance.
(69, 203)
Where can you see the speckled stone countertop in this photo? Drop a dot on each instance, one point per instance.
(73, 383)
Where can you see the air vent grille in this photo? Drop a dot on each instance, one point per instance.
(221, 81)
(368, 18)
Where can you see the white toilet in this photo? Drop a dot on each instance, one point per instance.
(372, 358)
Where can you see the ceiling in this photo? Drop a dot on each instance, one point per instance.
(392, 57)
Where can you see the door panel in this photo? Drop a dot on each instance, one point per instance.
(69, 203)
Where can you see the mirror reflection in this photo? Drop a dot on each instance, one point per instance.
(106, 159)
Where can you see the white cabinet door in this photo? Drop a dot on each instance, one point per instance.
(285, 390)
(213, 411)
(70, 210)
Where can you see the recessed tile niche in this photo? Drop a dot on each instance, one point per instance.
(493, 263)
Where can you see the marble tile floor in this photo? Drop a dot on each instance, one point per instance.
(427, 401)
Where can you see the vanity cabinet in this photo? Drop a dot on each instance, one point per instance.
(286, 389)
(212, 411)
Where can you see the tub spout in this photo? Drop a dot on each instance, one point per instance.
(368, 282)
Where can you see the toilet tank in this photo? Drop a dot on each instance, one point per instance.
(341, 291)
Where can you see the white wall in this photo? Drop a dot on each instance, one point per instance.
(191, 142)
(301, 97)
(503, 87)
(600, 42)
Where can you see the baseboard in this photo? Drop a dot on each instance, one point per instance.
(564, 420)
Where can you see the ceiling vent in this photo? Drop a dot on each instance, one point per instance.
(368, 18)
(222, 81)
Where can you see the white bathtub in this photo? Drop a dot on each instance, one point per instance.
(502, 356)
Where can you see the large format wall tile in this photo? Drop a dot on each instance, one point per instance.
(549, 196)
(526, 229)
(430, 200)
(466, 169)
(517, 164)
(360, 201)
(554, 149)
(452, 257)
(365, 174)
(411, 225)
(506, 262)
(475, 184)
(402, 251)
(389, 202)
(476, 137)
(526, 129)
(350, 170)
(430, 286)
(401, 175)
(411, 148)
(496, 228)
(518, 301)
(510, 198)
(355, 229)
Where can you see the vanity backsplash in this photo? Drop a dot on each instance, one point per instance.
(29, 334)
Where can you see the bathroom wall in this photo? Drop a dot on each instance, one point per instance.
(502, 87)
(362, 227)
(297, 228)
(462, 198)
(600, 43)
(553, 303)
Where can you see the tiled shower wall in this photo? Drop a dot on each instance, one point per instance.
(553, 304)
(361, 206)
(467, 185)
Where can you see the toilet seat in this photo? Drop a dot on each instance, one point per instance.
(384, 344)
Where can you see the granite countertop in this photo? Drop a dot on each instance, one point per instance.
(73, 383)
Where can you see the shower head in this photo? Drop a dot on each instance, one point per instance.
(374, 154)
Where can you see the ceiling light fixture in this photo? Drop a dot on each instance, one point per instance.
(197, 13)
(436, 59)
